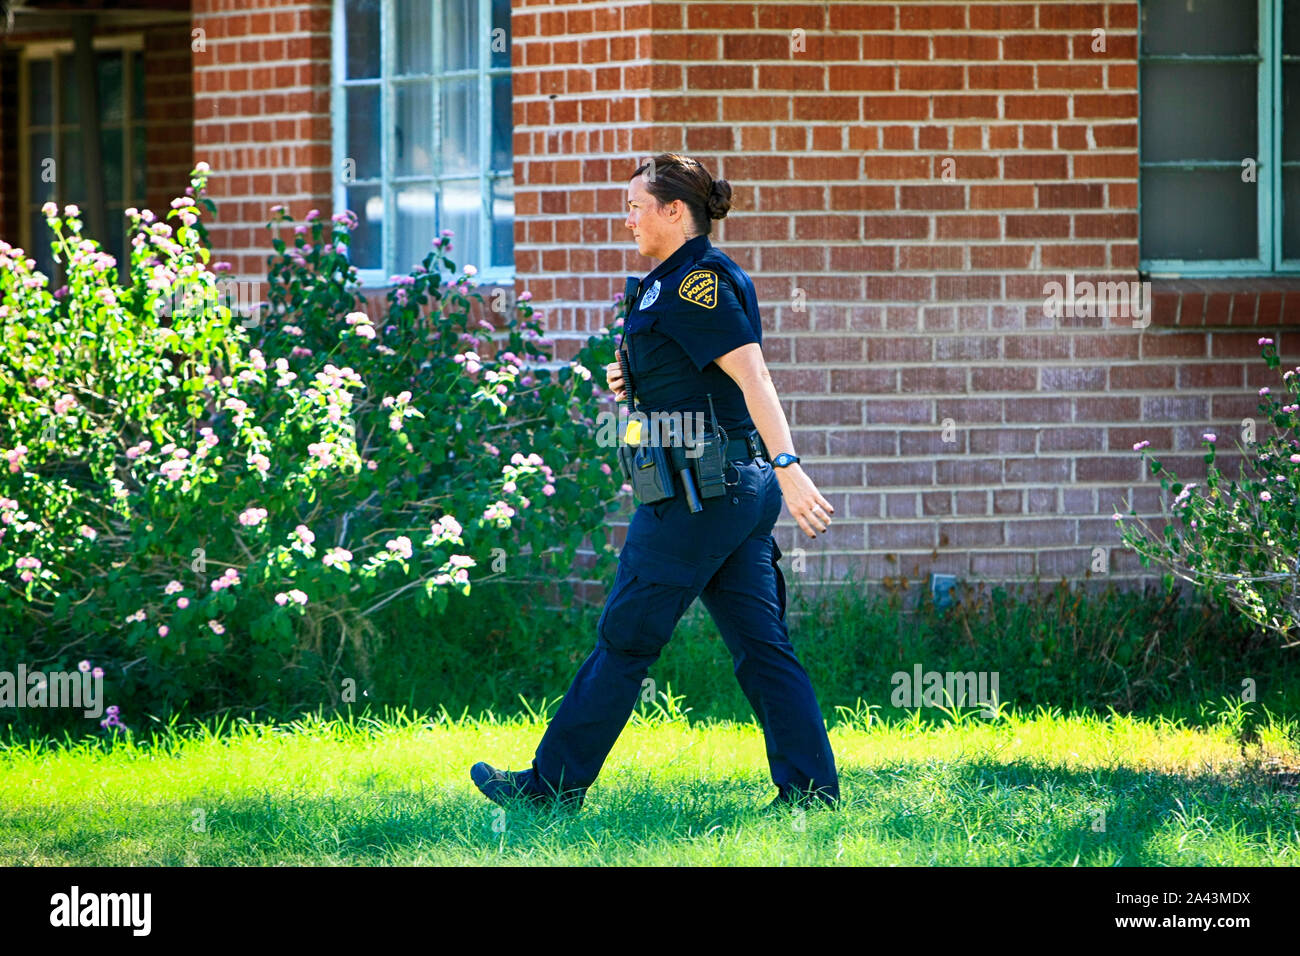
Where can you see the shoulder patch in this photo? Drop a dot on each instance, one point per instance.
(701, 287)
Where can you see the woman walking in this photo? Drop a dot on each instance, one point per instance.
(692, 341)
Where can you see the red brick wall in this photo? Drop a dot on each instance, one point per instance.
(169, 115)
(262, 118)
(925, 296)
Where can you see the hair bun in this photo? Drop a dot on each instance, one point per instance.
(719, 199)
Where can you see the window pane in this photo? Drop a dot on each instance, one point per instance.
(1291, 213)
(460, 36)
(70, 107)
(502, 124)
(500, 34)
(1291, 133)
(40, 156)
(111, 108)
(137, 87)
(71, 170)
(413, 134)
(42, 236)
(1206, 26)
(414, 36)
(138, 165)
(111, 157)
(40, 100)
(364, 129)
(462, 212)
(361, 35)
(416, 218)
(503, 222)
(1224, 123)
(1198, 214)
(115, 241)
(459, 127)
(366, 248)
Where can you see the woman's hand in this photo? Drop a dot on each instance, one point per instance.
(614, 379)
(802, 499)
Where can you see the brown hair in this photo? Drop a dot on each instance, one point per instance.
(673, 176)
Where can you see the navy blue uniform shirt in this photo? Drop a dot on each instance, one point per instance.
(695, 306)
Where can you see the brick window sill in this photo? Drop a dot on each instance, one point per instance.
(1238, 302)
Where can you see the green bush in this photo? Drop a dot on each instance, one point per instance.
(213, 505)
(1239, 542)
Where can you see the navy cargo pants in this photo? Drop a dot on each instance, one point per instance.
(726, 556)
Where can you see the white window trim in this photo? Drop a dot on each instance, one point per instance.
(380, 278)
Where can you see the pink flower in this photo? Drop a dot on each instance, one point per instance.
(15, 457)
(1210, 437)
(163, 630)
(1265, 496)
(84, 667)
(1265, 341)
(366, 331)
(42, 383)
(228, 579)
(525, 296)
(172, 587)
(304, 534)
(335, 555)
(183, 602)
(447, 525)
(216, 628)
(252, 516)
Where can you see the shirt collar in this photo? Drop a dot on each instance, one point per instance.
(692, 248)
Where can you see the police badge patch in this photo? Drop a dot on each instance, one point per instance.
(700, 287)
(649, 298)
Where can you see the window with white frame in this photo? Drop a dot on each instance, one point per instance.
(422, 128)
(52, 154)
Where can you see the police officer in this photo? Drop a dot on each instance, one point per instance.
(693, 334)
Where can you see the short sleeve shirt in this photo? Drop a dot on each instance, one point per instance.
(696, 306)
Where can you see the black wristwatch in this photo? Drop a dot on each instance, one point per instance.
(783, 459)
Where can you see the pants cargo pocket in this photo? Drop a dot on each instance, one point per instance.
(642, 611)
(780, 578)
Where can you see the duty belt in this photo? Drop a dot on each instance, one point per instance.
(746, 447)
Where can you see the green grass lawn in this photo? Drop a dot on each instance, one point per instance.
(1024, 789)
